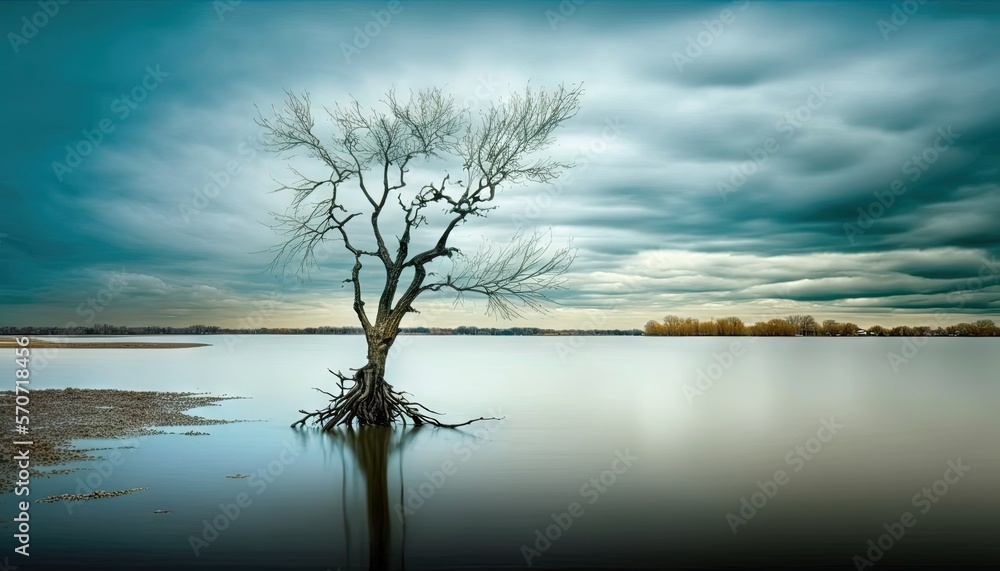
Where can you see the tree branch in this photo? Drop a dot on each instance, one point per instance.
(495, 152)
(513, 278)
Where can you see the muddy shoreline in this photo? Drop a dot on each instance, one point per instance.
(59, 416)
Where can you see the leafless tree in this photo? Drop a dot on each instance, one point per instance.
(806, 324)
(363, 190)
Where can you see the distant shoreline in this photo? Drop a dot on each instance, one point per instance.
(123, 331)
(43, 344)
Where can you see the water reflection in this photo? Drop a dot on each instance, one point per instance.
(367, 452)
(336, 505)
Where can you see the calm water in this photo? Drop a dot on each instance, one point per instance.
(807, 448)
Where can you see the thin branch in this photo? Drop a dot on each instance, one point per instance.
(513, 278)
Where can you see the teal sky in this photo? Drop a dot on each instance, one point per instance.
(724, 150)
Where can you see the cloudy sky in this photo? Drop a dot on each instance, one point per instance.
(733, 158)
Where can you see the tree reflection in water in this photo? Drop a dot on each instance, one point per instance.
(366, 451)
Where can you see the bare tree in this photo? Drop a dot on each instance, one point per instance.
(364, 189)
(805, 323)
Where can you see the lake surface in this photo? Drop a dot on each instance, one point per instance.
(660, 453)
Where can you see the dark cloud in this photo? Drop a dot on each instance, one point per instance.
(644, 205)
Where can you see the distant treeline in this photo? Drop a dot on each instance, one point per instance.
(104, 329)
(806, 325)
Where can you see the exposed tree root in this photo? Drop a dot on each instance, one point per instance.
(370, 401)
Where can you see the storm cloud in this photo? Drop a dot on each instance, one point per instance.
(733, 158)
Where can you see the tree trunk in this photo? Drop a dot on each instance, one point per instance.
(370, 400)
(373, 399)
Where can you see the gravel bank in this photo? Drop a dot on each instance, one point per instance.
(58, 416)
